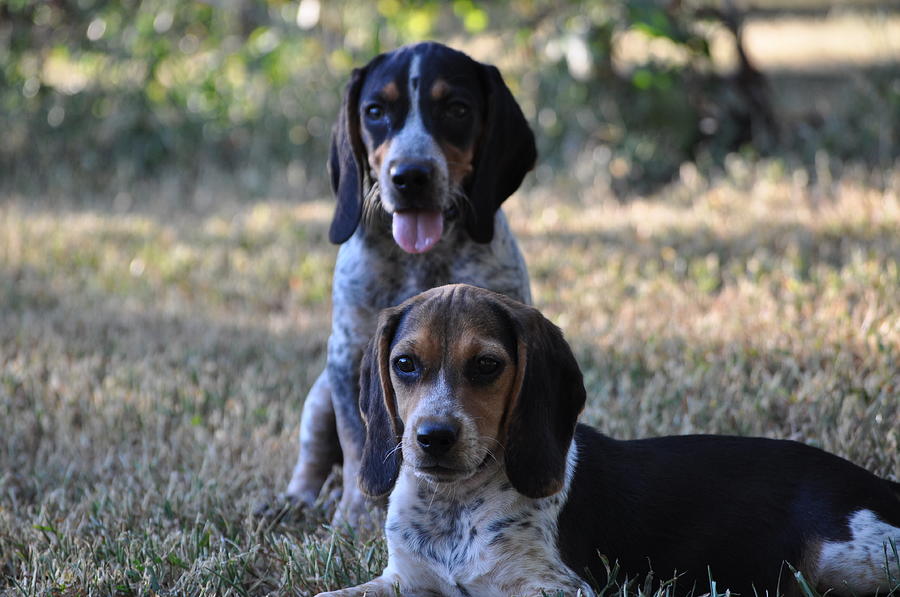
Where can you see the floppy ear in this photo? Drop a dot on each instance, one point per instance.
(548, 397)
(347, 162)
(381, 456)
(504, 156)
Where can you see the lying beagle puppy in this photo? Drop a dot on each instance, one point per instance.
(470, 401)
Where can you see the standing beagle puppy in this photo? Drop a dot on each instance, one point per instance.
(429, 143)
(470, 401)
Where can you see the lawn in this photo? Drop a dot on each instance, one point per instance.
(153, 362)
(155, 351)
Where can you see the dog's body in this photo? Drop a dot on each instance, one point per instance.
(428, 145)
(740, 506)
(471, 400)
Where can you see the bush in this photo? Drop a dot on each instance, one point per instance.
(100, 94)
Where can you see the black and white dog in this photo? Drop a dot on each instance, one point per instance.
(471, 400)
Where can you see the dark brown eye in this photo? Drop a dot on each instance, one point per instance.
(486, 366)
(374, 112)
(405, 364)
(457, 110)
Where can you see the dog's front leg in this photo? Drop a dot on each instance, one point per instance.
(569, 588)
(344, 355)
(319, 448)
(382, 586)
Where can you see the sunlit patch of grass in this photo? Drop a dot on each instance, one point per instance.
(734, 311)
(265, 256)
(153, 363)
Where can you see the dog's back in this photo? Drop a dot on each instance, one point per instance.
(740, 506)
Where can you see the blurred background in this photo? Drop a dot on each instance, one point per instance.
(98, 95)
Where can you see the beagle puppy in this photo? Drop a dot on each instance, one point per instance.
(427, 146)
(470, 401)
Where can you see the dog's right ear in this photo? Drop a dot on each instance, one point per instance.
(506, 154)
(347, 162)
(548, 397)
(381, 455)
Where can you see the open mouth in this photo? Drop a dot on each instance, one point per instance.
(417, 230)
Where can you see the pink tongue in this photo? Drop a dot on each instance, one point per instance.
(416, 230)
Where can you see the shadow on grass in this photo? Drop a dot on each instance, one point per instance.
(94, 386)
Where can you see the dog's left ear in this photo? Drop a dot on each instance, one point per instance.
(504, 156)
(381, 455)
(547, 398)
(346, 162)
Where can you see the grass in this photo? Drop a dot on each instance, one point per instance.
(153, 363)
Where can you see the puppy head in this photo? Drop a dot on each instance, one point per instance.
(439, 133)
(459, 380)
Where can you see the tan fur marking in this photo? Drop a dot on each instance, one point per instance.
(390, 92)
(376, 158)
(439, 89)
(459, 162)
(486, 405)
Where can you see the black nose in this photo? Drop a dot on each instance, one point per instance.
(411, 178)
(436, 439)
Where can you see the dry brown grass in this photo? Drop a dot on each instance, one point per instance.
(153, 364)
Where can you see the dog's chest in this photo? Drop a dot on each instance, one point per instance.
(371, 270)
(483, 543)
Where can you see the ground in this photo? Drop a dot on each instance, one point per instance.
(154, 357)
(154, 363)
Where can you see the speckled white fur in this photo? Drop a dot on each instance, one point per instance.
(861, 565)
(478, 537)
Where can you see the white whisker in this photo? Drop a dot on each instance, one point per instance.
(392, 452)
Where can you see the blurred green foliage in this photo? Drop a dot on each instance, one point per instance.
(116, 90)
(135, 85)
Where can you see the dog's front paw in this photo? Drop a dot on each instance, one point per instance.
(380, 587)
(360, 514)
(293, 506)
(281, 507)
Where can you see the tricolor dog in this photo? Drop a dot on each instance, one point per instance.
(429, 143)
(470, 401)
